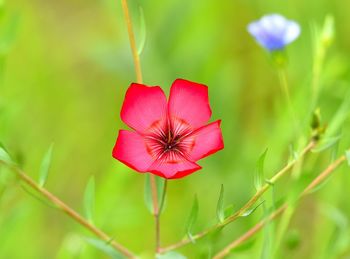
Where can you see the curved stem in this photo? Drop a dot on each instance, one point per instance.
(135, 54)
(282, 75)
(245, 207)
(317, 181)
(72, 213)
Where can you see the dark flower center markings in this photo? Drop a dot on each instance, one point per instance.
(168, 141)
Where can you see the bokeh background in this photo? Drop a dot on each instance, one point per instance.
(65, 66)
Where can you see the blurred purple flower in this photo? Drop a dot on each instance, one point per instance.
(274, 31)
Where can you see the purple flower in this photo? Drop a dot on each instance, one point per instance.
(274, 31)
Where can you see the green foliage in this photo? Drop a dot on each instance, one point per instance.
(143, 32)
(220, 211)
(259, 178)
(89, 199)
(347, 154)
(104, 247)
(148, 193)
(171, 255)
(4, 156)
(45, 166)
(192, 218)
(252, 210)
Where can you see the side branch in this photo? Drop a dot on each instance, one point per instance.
(72, 213)
(245, 207)
(317, 181)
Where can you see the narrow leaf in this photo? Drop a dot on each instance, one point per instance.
(347, 154)
(143, 31)
(326, 143)
(192, 218)
(104, 247)
(4, 156)
(220, 212)
(249, 212)
(89, 199)
(259, 172)
(171, 255)
(229, 210)
(38, 197)
(149, 194)
(45, 166)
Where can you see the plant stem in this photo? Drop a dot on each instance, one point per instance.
(317, 181)
(282, 75)
(138, 71)
(245, 207)
(71, 212)
(155, 210)
(135, 54)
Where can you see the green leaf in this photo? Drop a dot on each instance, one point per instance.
(229, 210)
(38, 197)
(4, 156)
(104, 247)
(143, 32)
(347, 154)
(328, 31)
(148, 192)
(259, 172)
(45, 166)
(192, 218)
(249, 212)
(326, 143)
(171, 255)
(89, 199)
(220, 212)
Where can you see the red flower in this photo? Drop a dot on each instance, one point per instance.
(171, 136)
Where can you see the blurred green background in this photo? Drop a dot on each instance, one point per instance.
(65, 66)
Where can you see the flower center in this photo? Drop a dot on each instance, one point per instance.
(169, 141)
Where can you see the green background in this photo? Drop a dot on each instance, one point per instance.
(65, 66)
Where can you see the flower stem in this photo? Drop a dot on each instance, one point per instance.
(282, 75)
(71, 212)
(317, 181)
(245, 207)
(138, 71)
(135, 54)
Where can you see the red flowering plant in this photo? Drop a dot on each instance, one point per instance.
(168, 137)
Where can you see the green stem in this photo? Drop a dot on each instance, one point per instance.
(251, 232)
(70, 212)
(245, 207)
(282, 75)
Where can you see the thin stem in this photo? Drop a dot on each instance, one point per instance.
(72, 213)
(317, 181)
(138, 71)
(282, 74)
(155, 210)
(157, 217)
(245, 207)
(135, 54)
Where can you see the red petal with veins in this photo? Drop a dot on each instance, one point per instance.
(143, 106)
(189, 101)
(207, 140)
(131, 150)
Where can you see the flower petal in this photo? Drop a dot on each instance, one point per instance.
(292, 32)
(189, 101)
(173, 166)
(207, 140)
(143, 106)
(131, 150)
